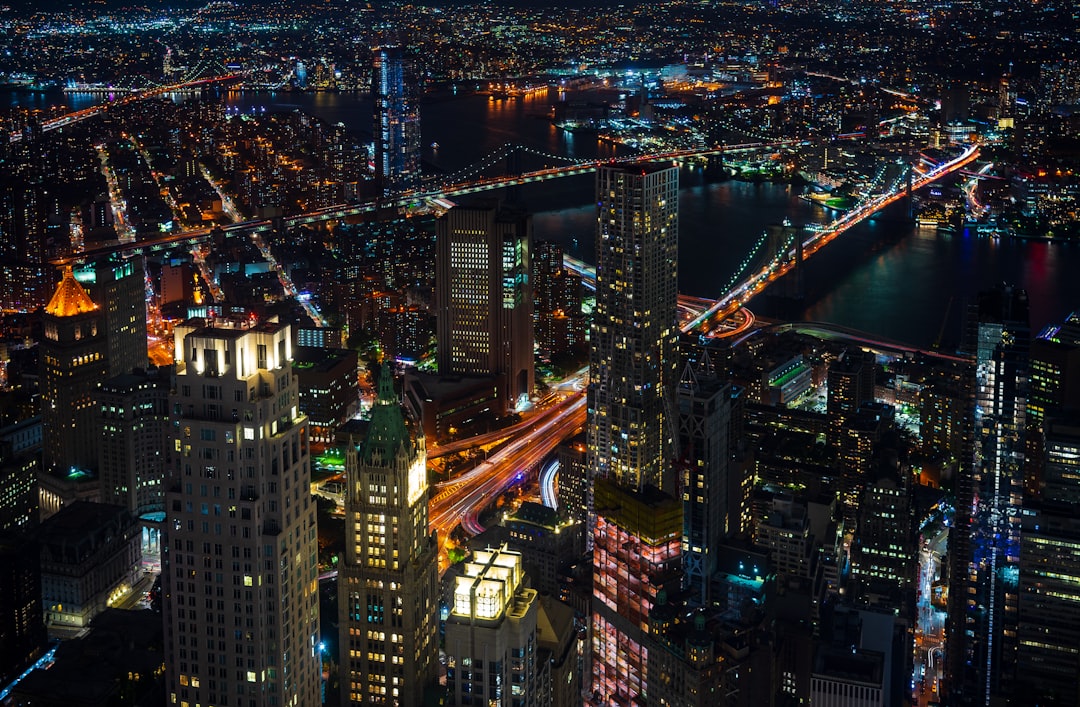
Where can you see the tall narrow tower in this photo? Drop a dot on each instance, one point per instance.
(397, 122)
(239, 549)
(73, 361)
(635, 526)
(388, 584)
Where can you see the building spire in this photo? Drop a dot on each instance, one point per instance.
(386, 387)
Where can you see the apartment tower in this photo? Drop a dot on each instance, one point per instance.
(635, 526)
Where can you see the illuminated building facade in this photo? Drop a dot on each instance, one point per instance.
(704, 405)
(635, 557)
(388, 583)
(118, 286)
(73, 362)
(90, 558)
(983, 590)
(1049, 625)
(560, 325)
(633, 362)
(239, 548)
(397, 122)
(132, 416)
(635, 527)
(484, 297)
(491, 641)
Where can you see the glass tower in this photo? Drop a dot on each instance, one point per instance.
(397, 123)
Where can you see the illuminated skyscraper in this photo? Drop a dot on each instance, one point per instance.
(636, 527)
(397, 122)
(483, 296)
(985, 552)
(388, 583)
(491, 641)
(239, 547)
(709, 489)
(73, 361)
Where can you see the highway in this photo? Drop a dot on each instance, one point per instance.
(461, 500)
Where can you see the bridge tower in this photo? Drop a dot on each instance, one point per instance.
(513, 169)
(908, 195)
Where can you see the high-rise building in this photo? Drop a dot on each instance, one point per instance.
(884, 540)
(632, 361)
(560, 325)
(710, 503)
(484, 297)
(20, 462)
(635, 526)
(397, 122)
(388, 583)
(491, 641)
(239, 548)
(983, 593)
(118, 286)
(22, 622)
(73, 360)
(132, 416)
(1049, 615)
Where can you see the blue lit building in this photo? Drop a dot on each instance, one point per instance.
(397, 123)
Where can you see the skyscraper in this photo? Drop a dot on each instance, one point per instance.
(1049, 615)
(632, 357)
(118, 286)
(491, 642)
(132, 419)
(73, 362)
(709, 491)
(636, 527)
(397, 122)
(239, 550)
(388, 583)
(984, 576)
(483, 296)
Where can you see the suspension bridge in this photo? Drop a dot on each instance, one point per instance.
(780, 255)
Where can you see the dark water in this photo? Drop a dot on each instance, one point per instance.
(883, 276)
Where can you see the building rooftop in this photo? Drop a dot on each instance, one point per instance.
(69, 299)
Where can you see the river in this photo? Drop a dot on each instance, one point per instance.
(884, 276)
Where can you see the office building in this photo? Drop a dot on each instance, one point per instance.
(548, 544)
(74, 360)
(1049, 615)
(118, 286)
(22, 622)
(635, 526)
(132, 418)
(397, 122)
(239, 547)
(884, 542)
(90, 559)
(20, 461)
(710, 501)
(329, 390)
(491, 639)
(982, 615)
(388, 583)
(484, 297)
(560, 324)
